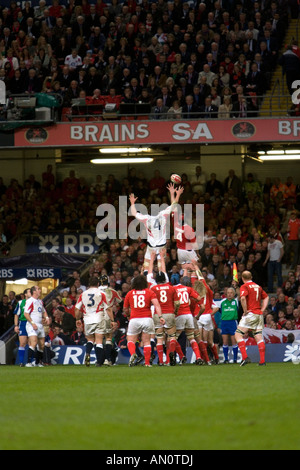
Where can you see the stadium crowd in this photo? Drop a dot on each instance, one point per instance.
(244, 222)
(191, 59)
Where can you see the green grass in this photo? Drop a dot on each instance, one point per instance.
(121, 408)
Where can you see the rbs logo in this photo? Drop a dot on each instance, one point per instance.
(296, 93)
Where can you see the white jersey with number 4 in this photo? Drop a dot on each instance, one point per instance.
(91, 303)
(156, 226)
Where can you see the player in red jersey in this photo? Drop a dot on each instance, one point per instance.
(169, 303)
(137, 306)
(254, 301)
(205, 318)
(186, 241)
(184, 319)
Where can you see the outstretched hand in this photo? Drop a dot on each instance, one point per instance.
(132, 198)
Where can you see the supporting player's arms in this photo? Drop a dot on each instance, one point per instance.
(78, 314)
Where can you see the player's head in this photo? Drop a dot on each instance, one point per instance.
(94, 282)
(200, 288)
(246, 276)
(160, 278)
(139, 282)
(175, 279)
(104, 280)
(27, 292)
(185, 281)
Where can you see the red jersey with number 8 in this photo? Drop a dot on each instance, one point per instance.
(254, 295)
(139, 302)
(166, 295)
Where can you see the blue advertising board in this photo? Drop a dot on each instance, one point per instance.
(30, 273)
(74, 355)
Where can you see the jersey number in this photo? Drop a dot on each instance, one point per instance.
(92, 301)
(139, 301)
(183, 297)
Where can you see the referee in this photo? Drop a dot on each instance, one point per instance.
(229, 316)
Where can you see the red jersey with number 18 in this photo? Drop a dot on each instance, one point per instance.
(254, 295)
(139, 302)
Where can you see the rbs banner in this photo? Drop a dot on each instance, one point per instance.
(71, 243)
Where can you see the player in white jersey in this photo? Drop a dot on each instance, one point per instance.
(156, 226)
(112, 298)
(35, 313)
(91, 305)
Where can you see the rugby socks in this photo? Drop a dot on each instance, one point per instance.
(137, 349)
(108, 349)
(262, 349)
(203, 349)
(89, 347)
(21, 354)
(179, 350)
(195, 348)
(39, 356)
(242, 348)
(100, 354)
(225, 352)
(131, 347)
(172, 345)
(160, 353)
(235, 350)
(153, 344)
(31, 354)
(214, 350)
(147, 354)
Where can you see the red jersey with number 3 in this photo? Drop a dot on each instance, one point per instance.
(139, 302)
(254, 295)
(185, 294)
(166, 295)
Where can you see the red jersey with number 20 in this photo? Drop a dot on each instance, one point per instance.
(139, 302)
(254, 295)
(166, 295)
(185, 294)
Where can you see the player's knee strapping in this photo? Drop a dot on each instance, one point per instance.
(190, 336)
(240, 332)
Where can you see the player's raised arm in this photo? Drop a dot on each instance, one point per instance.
(132, 200)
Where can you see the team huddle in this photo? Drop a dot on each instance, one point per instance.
(159, 309)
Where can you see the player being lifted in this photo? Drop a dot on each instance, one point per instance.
(91, 305)
(254, 301)
(156, 225)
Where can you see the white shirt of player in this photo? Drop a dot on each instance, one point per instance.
(92, 303)
(35, 308)
(156, 226)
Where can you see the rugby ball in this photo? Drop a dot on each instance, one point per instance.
(176, 179)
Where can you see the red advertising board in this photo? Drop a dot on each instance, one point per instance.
(105, 133)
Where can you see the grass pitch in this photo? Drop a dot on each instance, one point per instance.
(224, 407)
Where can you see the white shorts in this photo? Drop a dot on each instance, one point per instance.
(186, 256)
(205, 322)
(141, 325)
(252, 321)
(169, 321)
(184, 322)
(40, 332)
(151, 249)
(95, 328)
